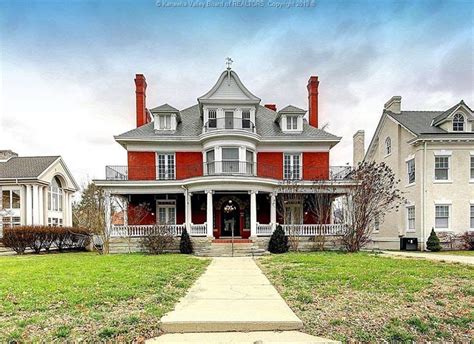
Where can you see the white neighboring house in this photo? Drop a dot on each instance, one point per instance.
(432, 153)
(35, 190)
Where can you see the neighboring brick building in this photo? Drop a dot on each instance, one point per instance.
(221, 163)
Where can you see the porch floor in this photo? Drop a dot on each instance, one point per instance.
(232, 295)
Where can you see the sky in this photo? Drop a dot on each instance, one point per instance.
(67, 67)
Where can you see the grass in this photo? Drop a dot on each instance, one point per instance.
(88, 297)
(369, 298)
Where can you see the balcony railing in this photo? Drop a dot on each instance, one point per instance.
(229, 167)
(229, 123)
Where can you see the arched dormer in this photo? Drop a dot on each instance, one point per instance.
(458, 122)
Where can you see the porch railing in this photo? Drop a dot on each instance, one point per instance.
(314, 229)
(143, 230)
(264, 229)
(198, 229)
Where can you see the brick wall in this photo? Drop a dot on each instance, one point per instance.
(141, 165)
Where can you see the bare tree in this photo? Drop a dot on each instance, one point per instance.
(89, 213)
(374, 195)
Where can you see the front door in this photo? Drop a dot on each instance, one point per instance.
(230, 220)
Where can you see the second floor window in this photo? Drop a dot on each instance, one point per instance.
(411, 218)
(458, 122)
(212, 119)
(411, 171)
(11, 199)
(292, 166)
(292, 122)
(472, 166)
(442, 168)
(246, 119)
(442, 216)
(230, 160)
(166, 167)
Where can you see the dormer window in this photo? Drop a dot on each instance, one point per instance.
(246, 119)
(458, 122)
(165, 122)
(212, 118)
(292, 122)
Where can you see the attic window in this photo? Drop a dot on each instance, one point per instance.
(165, 122)
(292, 122)
(458, 122)
(388, 146)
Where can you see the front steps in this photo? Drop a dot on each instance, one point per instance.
(225, 248)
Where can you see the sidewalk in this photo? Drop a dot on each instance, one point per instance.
(233, 302)
(433, 256)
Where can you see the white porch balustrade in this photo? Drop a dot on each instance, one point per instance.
(143, 230)
(198, 229)
(303, 229)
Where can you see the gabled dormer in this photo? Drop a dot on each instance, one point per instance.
(457, 119)
(228, 105)
(165, 117)
(290, 119)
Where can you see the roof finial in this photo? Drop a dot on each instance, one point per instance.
(228, 62)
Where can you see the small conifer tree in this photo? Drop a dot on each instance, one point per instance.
(185, 244)
(432, 243)
(278, 242)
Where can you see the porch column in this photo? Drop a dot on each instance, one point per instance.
(29, 206)
(253, 213)
(35, 205)
(40, 205)
(187, 210)
(125, 211)
(273, 210)
(108, 214)
(210, 215)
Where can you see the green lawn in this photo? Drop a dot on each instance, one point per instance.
(88, 297)
(366, 297)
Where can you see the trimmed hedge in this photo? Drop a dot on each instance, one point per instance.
(38, 238)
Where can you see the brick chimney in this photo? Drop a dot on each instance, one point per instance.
(358, 150)
(394, 104)
(143, 117)
(313, 84)
(271, 106)
(6, 155)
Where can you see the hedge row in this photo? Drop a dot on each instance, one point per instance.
(39, 238)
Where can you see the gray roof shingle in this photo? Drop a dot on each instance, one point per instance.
(291, 109)
(191, 126)
(164, 108)
(25, 167)
(419, 122)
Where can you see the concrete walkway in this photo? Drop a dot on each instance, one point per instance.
(232, 295)
(433, 256)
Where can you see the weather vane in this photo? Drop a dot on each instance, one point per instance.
(228, 62)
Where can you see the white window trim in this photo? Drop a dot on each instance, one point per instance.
(408, 174)
(10, 190)
(166, 165)
(471, 155)
(388, 138)
(291, 165)
(407, 221)
(450, 213)
(165, 204)
(450, 167)
(464, 123)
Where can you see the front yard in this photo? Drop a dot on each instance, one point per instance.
(366, 297)
(88, 297)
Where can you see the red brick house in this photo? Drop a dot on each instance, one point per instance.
(220, 164)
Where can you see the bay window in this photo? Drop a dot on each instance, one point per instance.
(230, 160)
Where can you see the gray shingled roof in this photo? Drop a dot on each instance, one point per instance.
(164, 108)
(419, 122)
(291, 109)
(191, 126)
(25, 167)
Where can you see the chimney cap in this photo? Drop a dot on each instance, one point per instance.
(358, 133)
(394, 99)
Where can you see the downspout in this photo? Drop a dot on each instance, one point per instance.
(423, 200)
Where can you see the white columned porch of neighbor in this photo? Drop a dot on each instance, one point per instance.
(209, 214)
(40, 206)
(108, 214)
(29, 205)
(65, 209)
(273, 210)
(253, 213)
(35, 205)
(125, 211)
(187, 210)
